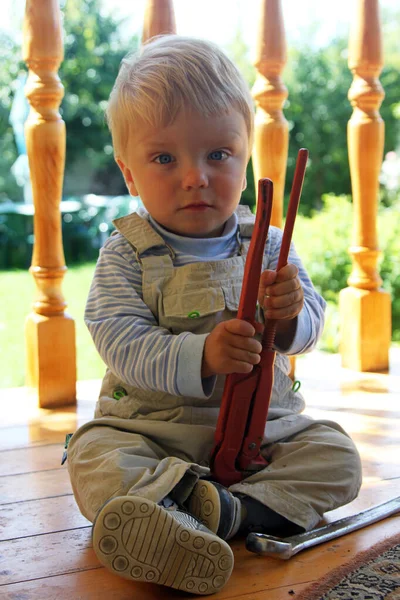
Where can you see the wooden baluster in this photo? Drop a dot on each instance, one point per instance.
(271, 136)
(50, 333)
(365, 309)
(159, 18)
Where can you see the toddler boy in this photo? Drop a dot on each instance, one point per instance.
(162, 313)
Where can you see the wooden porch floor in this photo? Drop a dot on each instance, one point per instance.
(45, 544)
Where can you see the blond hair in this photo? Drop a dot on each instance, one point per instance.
(169, 73)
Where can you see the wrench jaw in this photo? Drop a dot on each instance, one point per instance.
(268, 545)
(285, 548)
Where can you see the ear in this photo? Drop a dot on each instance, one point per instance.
(127, 173)
(244, 184)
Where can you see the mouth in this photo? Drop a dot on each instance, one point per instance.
(197, 206)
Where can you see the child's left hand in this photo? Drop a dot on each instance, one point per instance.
(280, 293)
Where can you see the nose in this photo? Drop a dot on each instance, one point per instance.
(194, 177)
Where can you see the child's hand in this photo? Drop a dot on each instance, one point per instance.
(280, 294)
(231, 348)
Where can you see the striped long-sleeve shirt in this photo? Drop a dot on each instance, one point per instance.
(127, 335)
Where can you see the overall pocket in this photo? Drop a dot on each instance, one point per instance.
(197, 311)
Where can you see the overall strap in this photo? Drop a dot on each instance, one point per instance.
(140, 234)
(246, 221)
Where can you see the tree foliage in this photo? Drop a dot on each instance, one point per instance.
(318, 111)
(9, 69)
(94, 49)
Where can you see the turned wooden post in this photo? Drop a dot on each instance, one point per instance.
(271, 135)
(365, 309)
(159, 18)
(50, 333)
(271, 132)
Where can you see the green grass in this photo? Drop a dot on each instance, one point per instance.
(17, 295)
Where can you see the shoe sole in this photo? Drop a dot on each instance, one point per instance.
(204, 503)
(141, 541)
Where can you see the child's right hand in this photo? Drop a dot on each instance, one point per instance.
(231, 348)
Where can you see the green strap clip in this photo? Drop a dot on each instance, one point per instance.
(67, 440)
(296, 386)
(119, 393)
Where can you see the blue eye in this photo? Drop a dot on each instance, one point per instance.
(164, 159)
(217, 155)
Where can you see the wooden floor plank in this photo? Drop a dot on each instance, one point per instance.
(29, 413)
(45, 429)
(36, 517)
(33, 435)
(29, 460)
(46, 555)
(32, 486)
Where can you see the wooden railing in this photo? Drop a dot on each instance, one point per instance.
(364, 307)
(50, 332)
(271, 132)
(159, 19)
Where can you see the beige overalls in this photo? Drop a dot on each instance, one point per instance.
(153, 444)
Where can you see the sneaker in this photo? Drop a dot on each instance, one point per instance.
(140, 540)
(214, 505)
(262, 519)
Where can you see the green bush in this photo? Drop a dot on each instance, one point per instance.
(323, 240)
(86, 222)
(389, 235)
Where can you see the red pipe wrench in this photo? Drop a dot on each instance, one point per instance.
(245, 401)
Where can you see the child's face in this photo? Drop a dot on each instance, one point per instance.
(189, 175)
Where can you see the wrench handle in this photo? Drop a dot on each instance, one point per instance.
(285, 548)
(298, 179)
